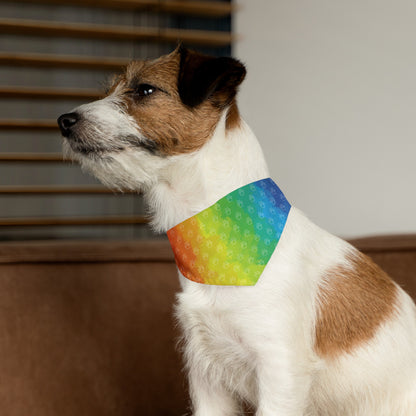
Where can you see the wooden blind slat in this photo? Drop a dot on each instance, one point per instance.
(203, 8)
(32, 125)
(194, 7)
(56, 61)
(71, 221)
(94, 31)
(49, 93)
(32, 157)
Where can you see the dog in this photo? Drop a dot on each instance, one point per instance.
(320, 330)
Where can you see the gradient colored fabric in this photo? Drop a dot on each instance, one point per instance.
(231, 242)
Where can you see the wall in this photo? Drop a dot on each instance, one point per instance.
(331, 95)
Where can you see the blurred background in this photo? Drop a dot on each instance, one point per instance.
(54, 56)
(330, 93)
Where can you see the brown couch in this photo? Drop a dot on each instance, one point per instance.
(86, 328)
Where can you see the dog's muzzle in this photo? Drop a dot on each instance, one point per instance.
(66, 123)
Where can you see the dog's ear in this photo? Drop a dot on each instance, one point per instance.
(202, 77)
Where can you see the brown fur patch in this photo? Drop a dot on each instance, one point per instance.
(162, 117)
(233, 116)
(164, 120)
(353, 302)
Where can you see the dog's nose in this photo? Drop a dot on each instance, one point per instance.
(66, 122)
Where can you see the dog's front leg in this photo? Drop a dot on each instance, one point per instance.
(283, 383)
(210, 400)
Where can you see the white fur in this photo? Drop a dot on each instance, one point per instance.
(257, 343)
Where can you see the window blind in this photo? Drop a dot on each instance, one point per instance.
(56, 55)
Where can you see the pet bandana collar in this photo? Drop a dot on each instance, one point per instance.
(231, 242)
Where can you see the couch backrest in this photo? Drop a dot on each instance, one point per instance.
(87, 328)
(396, 254)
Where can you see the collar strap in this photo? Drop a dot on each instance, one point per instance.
(231, 242)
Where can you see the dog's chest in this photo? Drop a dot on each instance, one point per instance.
(214, 343)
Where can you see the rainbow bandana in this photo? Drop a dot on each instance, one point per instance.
(231, 242)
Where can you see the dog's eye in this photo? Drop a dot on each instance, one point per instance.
(144, 90)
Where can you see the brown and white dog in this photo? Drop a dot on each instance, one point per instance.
(324, 331)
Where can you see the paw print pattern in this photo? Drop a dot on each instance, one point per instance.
(231, 242)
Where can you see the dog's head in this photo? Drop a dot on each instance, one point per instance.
(154, 111)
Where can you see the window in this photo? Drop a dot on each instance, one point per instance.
(54, 56)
